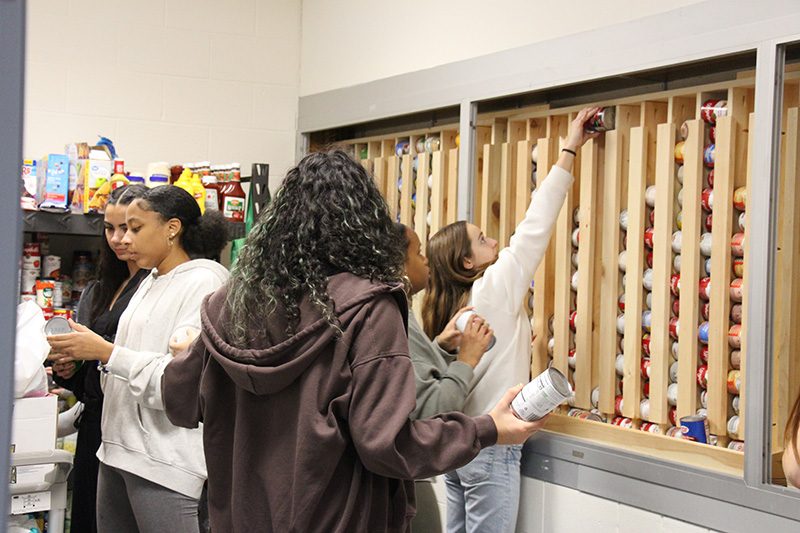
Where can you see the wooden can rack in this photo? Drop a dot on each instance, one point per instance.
(613, 174)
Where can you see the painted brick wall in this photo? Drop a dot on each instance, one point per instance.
(166, 80)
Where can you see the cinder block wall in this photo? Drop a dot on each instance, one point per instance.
(166, 80)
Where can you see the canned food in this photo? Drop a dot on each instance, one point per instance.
(648, 300)
(621, 261)
(646, 344)
(675, 284)
(573, 320)
(646, 389)
(736, 313)
(735, 404)
(702, 332)
(708, 221)
(713, 109)
(705, 244)
(618, 402)
(712, 133)
(708, 155)
(623, 422)
(704, 354)
(736, 359)
(673, 372)
(737, 289)
(676, 264)
(648, 237)
(735, 336)
(702, 376)
(623, 220)
(44, 293)
(551, 344)
(740, 198)
(401, 148)
(704, 399)
(619, 364)
(58, 294)
(738, 267)
(602, 120)
(737, 244)
(676, 242)
(463, 320)
(645, 368)
(650, 196)
(571, 358)
(695, 427)
(672, 394)
(674, 328)
(734, 381)
(595, 397)
(742, 218)
(648, 258)
(51, 266)
(649, 427)
(711, 177)
(543, 394)
(673, 415)
(47, 313)
(674, 432)
(733, 427)
(32, 257)
(705, 309)
(621, 323)
(675, 350)
(576, 237)
(432, 144)
(707, 199)
(585, 415)
(621, 302)
(679, 151)
(576, 215)
(705, 288)
(622, 344)
(652, 217)
(66, 289)
(535, 153)
(707, 266)
(621, 384)
(551, 323)
(57, 325)
(28, 281)
(680, 197)
(574, 281)
(575, 259)
(679, 174)
(676, 306)
(736, 445)
(647, 279)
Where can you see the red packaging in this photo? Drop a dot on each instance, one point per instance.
(707, 199)
(705, 284)
(707, 221)
(676, 306)
(648, 237)
(622, 422)
(707, 111)
(711, 177)
(738, 267)
(737, 289)
(618, 404)
(704, 310)
(649, 259)
(621, 302)
(702, 376)
(646, 389)
(740, 198)
(645, 366)
(734, 381)
(572, 318)
(704, 354)
(675, 285)
(735, 336)
(712, 134)
(737, 244)
(673, 412)
(650, 427)
(674, 328)
(646, 344)
(652, 217)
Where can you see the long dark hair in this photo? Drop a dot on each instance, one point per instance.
(327, 217)
(202, 235)
(112, 271)
(448, 289)
(792, 427)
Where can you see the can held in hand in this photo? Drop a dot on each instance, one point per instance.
(603, 120)
(461, 325)
(695, 427)
(546, 392)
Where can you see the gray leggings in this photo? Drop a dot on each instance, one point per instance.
(129, 503)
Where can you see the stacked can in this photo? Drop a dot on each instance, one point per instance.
(573, 315)
(623, 267)
(401, 148)
(41, 280)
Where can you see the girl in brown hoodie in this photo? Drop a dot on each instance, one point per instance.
(301, 374)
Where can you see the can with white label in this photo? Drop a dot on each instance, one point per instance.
(546, 392)
(461, 324)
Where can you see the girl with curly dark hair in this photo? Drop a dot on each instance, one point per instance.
(301, 375)
(152, 473)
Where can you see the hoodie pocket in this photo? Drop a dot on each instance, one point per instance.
(140, 420)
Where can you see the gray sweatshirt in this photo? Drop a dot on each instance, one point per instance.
(442, 383)
(137, 436)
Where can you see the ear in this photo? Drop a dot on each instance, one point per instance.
(468, 264)
(174, 226)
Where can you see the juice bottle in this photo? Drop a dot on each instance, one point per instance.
(233, 199)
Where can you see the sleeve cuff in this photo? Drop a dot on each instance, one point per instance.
(121, 362)
(487, 431)
(461, 371)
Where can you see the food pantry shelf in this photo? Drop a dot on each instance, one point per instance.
(92, 225)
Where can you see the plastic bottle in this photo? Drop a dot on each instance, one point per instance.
(233, 199)
(185, 181)
(211, 192)
(222, 183)
(199, 192)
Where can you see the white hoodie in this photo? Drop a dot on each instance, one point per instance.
(137, 436)
(499, 296)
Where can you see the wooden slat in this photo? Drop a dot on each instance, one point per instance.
(660, 342)
(406, 209)
(392, 192)
(688, 344)
(438, 192)
(634, 290)
(522, 180)
(483, 136)
(508, 159)
(681, 109)
(490, 190)
(743, 393)
(721, 265)
(423, 202)
(586, 260)
(544, 289)
(451, 188)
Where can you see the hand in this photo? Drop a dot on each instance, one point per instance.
(178, 346)
(510, 429)
(577, 136)
(450, 338)
(474, 342)
(64, 370)
(82, 344)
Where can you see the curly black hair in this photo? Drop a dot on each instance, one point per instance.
(327, 217)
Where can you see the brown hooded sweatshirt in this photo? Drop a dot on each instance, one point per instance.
(312, 433)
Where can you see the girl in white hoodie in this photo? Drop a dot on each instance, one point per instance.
(466, 269)
(151, 472)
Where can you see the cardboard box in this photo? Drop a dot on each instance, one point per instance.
(34, 427)
(53, 183)
(97, 181)
(29, 184)
(77, 153)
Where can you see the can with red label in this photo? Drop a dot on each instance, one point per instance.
(737, 244)
(679, 150)
(585, 415)
(712, 133)
(735, 336)
(708, 155)
(51, 266)
(705, 288)
(645, 368)
(621, 302)
(707, 199)
(32, 257)
(734, 381)
(672, 394)
(576, 237)
(738, 267)
(676, 242)
(646, 344)
(740, 198)
(737, 289)
(622, 422)
(618, 404)
(573, 317)
(702, 376)
(674, 432)
(704, 354)
(648, 237)
(695, 427)
(602, 120)
(736, 313)
(736, 359)
(571, 358)
(646, 389)
(711, 176)
(675, 284)
(674, 328)
(708, 221)
(652, 217)
(48, 313)
(648, 258)
(736, 445)
(713, 110)
(676, 306)
(649, 427)
(702, 332)
(705, 308)
(733, 427)
(705, 244)
(673, 415)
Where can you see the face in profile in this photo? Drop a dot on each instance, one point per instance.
(416, 265)
(147, 237)
(484, 249)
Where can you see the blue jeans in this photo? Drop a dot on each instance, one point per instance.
(483, 496)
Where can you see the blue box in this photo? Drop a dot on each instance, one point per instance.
(53, 183)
